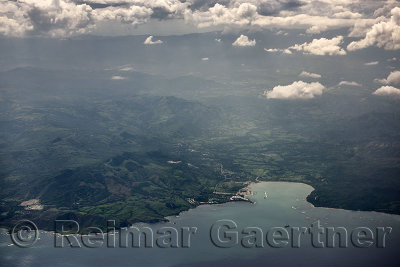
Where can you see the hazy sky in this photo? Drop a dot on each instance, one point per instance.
(373, 23)
(66, 17)
(357, 25)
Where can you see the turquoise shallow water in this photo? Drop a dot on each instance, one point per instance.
(284, 206)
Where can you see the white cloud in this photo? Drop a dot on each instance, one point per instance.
(347, 15)
(321, 47)
(387, 91)
(272, 50)
(53, 18)
(310, 75)
(393, 78)
(361, 27)
(126, 68)
(311, 15)
(132, 14)
(371, 63)
(281, 33)
(59, 18)
(239, 14)
(276, 50)
(205, 59)
(385, 33)
(287, 51)
(117, 77)
(149, 41)
(296, 90)
(243, 40)
(348, 83)
(386, 8)
(68, 17)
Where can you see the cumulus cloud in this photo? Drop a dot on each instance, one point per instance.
(281, 33)
(68, 17)
(393, 78)
(132, 14)
(361, 27)
(149, 41)
(371, 63)
(287, 51)
(236, 15)
(296, 90)
(347, 15)
(310, 75)
(54, 18)
(276, 50)
(126, 69)
(385, 33)
(386, 8)
(243, 40)
(279, 14)
(349, 83)
(117, 77)
(321, 47)
(272, 50)
(387, 91)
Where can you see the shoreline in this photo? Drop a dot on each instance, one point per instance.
(248, 187)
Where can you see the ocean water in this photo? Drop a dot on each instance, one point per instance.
(284, 209)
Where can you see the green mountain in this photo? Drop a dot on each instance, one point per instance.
(94, 150)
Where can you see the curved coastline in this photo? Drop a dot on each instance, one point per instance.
(249, 187)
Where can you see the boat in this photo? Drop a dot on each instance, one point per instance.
(287, 226)
(265, 195)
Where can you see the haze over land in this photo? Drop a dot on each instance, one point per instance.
(136, 110)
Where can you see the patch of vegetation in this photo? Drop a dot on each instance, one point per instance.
(125, 155)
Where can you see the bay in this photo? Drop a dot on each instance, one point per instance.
(285, 207)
